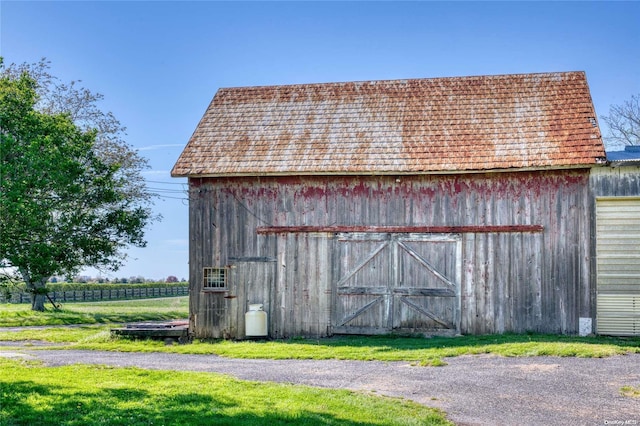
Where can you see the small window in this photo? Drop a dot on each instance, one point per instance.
(215, 279)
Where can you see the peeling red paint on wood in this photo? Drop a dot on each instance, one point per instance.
(524, 245)
(505, 184)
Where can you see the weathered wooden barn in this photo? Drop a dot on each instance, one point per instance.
(444, 206)
(616, 190)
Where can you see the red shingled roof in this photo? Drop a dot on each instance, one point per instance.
(524, 121)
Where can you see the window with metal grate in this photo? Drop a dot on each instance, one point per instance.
(215, 279)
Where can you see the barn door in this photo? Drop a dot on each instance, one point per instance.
(396, 282)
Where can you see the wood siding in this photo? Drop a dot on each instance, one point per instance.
(523, 249)
(615, 181)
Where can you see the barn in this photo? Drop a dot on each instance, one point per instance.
(430, 206)
(616, 190)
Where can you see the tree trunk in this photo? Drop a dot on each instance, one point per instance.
(37, 302)
(36, 286)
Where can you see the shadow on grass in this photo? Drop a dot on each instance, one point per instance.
(29, 403)
(14, 408)
(394, 342)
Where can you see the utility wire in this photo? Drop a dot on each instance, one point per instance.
(167, 183)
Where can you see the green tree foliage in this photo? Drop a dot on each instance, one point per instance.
(63, 206)
(624, 122)
(81, 106)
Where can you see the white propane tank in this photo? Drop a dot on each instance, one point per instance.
(255, 321)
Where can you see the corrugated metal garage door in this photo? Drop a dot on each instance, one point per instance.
(618, 266)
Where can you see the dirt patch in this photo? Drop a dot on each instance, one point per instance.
(538, 368)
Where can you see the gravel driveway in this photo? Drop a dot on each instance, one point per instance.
(472, 390)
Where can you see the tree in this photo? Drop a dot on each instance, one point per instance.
(624, 122)
(64, 203)
(81, 106)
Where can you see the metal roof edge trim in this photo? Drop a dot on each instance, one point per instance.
(624, 163)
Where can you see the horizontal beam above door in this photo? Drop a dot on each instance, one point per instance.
(469, 229)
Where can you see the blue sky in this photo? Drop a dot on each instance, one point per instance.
(159, 64)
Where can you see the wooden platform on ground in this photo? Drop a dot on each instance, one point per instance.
(173, 330)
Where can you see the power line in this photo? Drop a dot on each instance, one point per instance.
(167, 183)
(173, 198)
(168, 191)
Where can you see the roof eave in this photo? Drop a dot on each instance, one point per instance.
(389, 173)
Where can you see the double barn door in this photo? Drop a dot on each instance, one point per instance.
(387, 282)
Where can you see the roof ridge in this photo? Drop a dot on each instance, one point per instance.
(399, 80)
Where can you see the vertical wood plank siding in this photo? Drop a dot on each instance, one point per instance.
(615, 181)
(510, 281)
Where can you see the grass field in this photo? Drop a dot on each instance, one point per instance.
(420, 351)
(33, 394)
(15, 315)
(98, 395)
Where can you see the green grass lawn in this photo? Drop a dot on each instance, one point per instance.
(14, 315)
(417, 350)
(34, 395)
